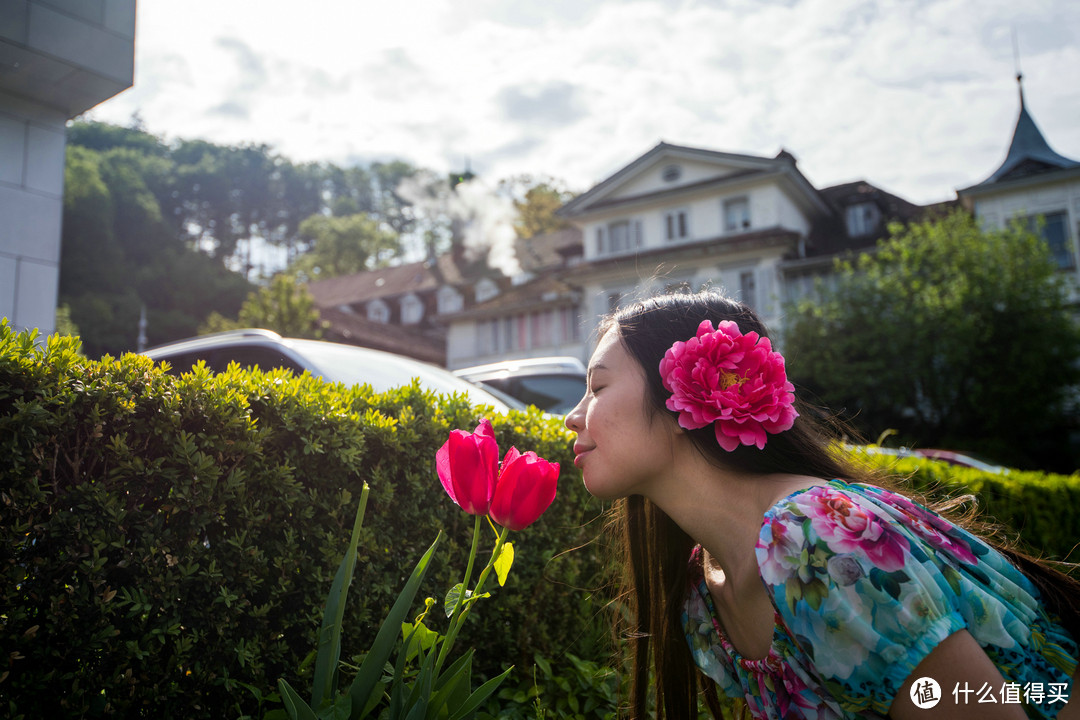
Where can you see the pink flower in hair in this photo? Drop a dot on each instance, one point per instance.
(733, 381)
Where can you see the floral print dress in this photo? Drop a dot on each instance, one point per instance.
(865, 583)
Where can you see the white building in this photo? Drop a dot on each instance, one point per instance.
(1037, 186)
(58, 58)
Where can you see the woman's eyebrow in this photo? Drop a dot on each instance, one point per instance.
(594, 368)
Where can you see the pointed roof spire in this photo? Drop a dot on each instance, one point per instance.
(1029, 153)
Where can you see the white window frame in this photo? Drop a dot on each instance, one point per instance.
(485, 289)
(412, 309)
(448, 300)
(861, 219)
(677, 224)
(378, 311)
(742, 223)
(748, 287)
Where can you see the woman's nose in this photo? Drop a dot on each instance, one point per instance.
(574, 417)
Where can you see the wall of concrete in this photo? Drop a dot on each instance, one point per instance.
(58, 58)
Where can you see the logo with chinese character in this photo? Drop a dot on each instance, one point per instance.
(925, 693)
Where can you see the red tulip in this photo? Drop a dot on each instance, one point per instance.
(468, 467)
(525, 489)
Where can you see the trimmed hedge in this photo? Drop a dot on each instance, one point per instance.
(168, 543)
(1042, 509)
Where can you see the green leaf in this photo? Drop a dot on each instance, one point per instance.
(504, 562)
(294, 704)
(447, 685)
(371, 669)
(422, 638)
(326, 664)
(450, 601)
(482, 693)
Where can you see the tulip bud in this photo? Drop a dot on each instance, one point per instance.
(525, 489)
(468, 467)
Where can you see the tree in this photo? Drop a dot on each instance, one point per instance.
(286, 307)
(343, 245)
(953, 336)
(536, 201)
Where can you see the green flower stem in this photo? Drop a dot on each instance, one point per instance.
(452, 632)
(461, 611)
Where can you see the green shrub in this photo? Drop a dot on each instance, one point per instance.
(167, 543)
(568, 689)
(1043, 509)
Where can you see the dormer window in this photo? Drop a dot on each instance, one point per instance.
(736, 215)
(448, 300)
(862, 219)
(671, 173)
(412, 310)
(486, 288)
(378, 311)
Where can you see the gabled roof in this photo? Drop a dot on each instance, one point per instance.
(423, 343)
(741, 168)
(543, 252)
(1029, 153)
(386, 282)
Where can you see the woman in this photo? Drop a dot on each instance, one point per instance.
(752, 553)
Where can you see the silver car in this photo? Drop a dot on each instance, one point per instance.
(553, 384)
(335, 362)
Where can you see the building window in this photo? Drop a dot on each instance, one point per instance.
(671, 173)
(448, 300)
(622, 236)
(486, 289)
(736, 214)
(378, 311)
(676, 225)
(748, 287)
(1054, 229)
(412, 310)
(862, 219)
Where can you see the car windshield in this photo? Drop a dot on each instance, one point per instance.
(354, 366)
(557, 394)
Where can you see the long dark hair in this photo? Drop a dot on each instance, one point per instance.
(655, 551)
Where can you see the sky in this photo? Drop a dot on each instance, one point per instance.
(918, 97)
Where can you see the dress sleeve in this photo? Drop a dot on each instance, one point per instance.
(864, 596)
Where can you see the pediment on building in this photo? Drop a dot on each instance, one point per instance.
(674, 170)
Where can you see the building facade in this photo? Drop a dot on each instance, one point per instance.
(676, 217)
(58, 58)
(1037, 187)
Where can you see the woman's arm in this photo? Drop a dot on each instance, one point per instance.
(958, 662)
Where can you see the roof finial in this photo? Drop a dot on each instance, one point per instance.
(1016, 62)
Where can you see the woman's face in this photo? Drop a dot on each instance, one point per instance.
(620, 448)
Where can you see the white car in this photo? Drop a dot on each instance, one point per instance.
(553, 384)
(334, 362)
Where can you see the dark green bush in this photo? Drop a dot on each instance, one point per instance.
(1042, 510)
(168, 543)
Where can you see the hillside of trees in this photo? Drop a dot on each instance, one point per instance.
(177, 229)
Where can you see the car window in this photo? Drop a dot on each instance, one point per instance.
(181, 363)
(556, 394)
(252, 356)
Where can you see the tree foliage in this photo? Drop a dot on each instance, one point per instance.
(536, 201)
(343, 245)
(286, 307)
(953, 336)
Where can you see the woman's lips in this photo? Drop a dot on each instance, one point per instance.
(579, 454)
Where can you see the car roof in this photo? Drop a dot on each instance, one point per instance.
(338, 362)
(554, 365)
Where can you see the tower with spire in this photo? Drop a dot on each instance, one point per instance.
(1035, 184)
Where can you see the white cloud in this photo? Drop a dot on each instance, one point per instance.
(917, 97)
